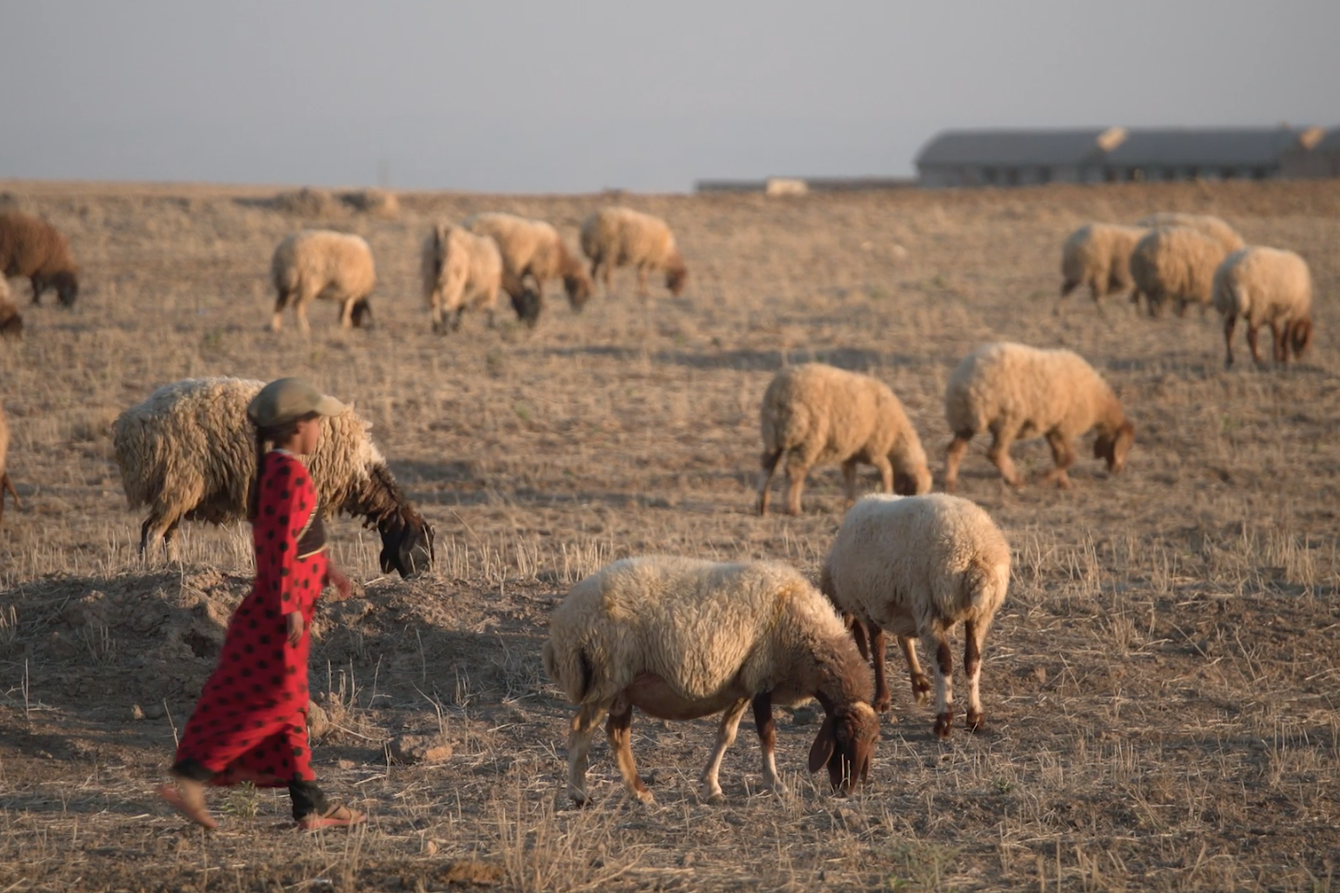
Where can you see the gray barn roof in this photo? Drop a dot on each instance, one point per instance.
(1012, 147)
(1190, 147)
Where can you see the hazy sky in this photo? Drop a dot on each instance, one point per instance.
(514, 95)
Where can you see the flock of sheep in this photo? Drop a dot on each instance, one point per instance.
(680, 638)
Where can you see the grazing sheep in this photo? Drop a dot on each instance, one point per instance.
(36, 249)
(1205, 224)
(682, 639)
(461, 271)
(818, 415)
(1266, 286)
(11, 323)
(1098, 255)
(5, 482)
(189, 452)
(1175, 264)
(1015, 391)
(534, 248)
(317, 263)
(615, 237)
(916, 566)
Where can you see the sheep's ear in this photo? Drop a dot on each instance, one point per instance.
(822, 749)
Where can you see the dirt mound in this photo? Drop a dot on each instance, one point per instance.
(308, 202)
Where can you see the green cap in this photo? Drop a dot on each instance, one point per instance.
(286, 399)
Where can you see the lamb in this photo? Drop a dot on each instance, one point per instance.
(1266, 286)
(5, 482)
(462, 271)
(1175, 263)
(682, 639)
(533, 248)
(1098, 255)
(1206, 224)
(816, 414)
(36, 249)
(614, 237)
(189, 452)
(11, 323)
(916, 566)
(1017, 391)
(317, 263)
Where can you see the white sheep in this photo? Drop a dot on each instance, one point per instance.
(916, 566)
(188, 451)
(1206, 224)
(1015, 391)
(534, 248)
(816, 414)
(461, 271)
(682, 639)
(1098, 255)
(317, 263)
(615, 237)
(5, 482)
(1175, 264)
(1266, 286)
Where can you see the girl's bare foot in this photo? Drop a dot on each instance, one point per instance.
(188, 798)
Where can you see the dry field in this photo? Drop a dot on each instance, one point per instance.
(1159, 686)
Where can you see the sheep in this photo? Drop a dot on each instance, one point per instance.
(916, 566)
(11, 323)
(817, 414)
(614, 237)
(1016, 391)
(462, 271)
(36, 249)
(1175, 263)
(1205, 224)
(5, 482)
(1098, 255)
(1265, 286)
(188, 451)
(681, 639)
(317, 263)
(534, 248)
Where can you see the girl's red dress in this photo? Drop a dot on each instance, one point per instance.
(250, 723)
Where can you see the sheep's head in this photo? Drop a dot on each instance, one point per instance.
(578, 287)
(675, 277)
(1114, 447)
(846, 744)
(361, 313)
(1300, 335)
(527, 303)
(407, 543)
(912, 482)
(66, 284)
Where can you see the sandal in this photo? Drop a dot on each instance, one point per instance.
(338, 816)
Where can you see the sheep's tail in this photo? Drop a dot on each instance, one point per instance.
(570, 669)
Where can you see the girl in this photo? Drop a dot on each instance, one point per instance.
(250, 723)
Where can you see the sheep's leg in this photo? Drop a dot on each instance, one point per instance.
(849, 481)
(1281, 347)
(796, 469)
(767, 740)
(620, 732)
(641, 281)
(710, 787)
(281, 301)
(1230, 322)
(883, 700)
(857, 629)
(1251, 343)
(975, 634)
(347, 314)
(156, 528)
(9, 485)
(579, 744)
(1002, 436)
(935, 643)
(953, 457)
(300, 308)
(921, 686)
(885, 472)
(769, 463)
(1063, 456)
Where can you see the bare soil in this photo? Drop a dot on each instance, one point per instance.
(1159, 687)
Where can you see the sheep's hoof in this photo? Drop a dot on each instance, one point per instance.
(644, 797)
(976, 721)
(716, 798)
(883, 703)
(921, 689)
(578, 798)
(943, 722)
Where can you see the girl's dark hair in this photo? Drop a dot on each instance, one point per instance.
(266, 437)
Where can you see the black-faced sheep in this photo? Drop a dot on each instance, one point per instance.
(815, 414)
(1266, 286)
(681, 639)
(316, 263)
(616, 237)
(1015, 391)
(188, 451)
(36, 249)
(533, 248)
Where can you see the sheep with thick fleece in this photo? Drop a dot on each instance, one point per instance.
(680, 639)
(615, 237)
(1015, 391)
(461, 271)
(1098, 255)
(317, 263)
(1266, 286)
(916, 566)
(1175, 264)
(34, 248)
(5, 482)
(189, 451)
(1206, 224)
(534, 248)
(816, 414)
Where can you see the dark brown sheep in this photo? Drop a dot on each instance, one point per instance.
(36, 249)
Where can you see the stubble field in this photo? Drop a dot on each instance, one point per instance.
(1159, 686)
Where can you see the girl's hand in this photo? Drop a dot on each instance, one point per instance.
(294, 628)
(339, 581)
